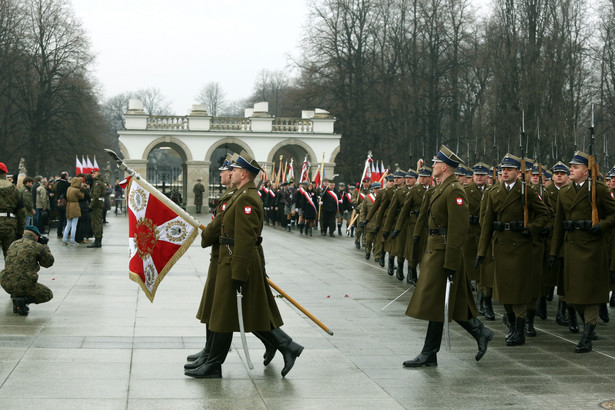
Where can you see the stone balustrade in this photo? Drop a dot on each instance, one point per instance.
(167, 122)
(230, 124)
(292, 125)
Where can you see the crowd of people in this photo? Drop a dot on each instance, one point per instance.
(523, 247)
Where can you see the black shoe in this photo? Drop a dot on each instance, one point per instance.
(541, 307)
(518, 337)
(357, 245)
(381, 260)
(412, 276)
(367, 256)
(585, 344)
(561, 318)
(20, 306)
(331, 234)
(573, 325)
(399, 273)
(391, 270)
(198, 362)
(422, 360)
(193, 357)
(97, 243)
(529, 324)
(604, 313)
(509, 320)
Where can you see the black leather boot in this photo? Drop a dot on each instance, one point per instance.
(481, 334)
(202, 354)
(573, 325)
(561, 318)
(97, 243)
(20, 306)
(518, 337)
(381, 260)
(511, 321)
(391, 269)
(284, 343)
(541, 307)
(413, 275)
(585, 344)
(604, 312)
(212, 368)
(529, 324)
(400, 268)
(428, 357)
(269, 349)
(367, 255)
(480, 303)
(489, 314)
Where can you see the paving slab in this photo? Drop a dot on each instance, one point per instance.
(101, 344)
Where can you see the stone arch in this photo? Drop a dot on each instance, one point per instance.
(228, 140)
(123, 150)
(334, 154)
(292, 141)
(169, 141)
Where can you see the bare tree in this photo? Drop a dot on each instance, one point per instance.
(154, 103)
(212, 96)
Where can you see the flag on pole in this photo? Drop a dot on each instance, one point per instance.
(90, 165)
(291, 173)
(96, 164)
(78, 166)
(317, 180)
(84, 166)
(375, 171)
(159, 233)
(304, 170)
(367, 172)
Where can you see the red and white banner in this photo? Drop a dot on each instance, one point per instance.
(304, 171)
(78, 166)
(159, 232)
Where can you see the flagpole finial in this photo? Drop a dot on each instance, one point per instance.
(120, 163)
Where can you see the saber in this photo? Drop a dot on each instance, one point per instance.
(402, 294)
(244, 342)
(298, 306)
(447, 295)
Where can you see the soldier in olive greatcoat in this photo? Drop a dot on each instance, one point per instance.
(447, 227)
(398, 242)
(586, 265)
(97, 193)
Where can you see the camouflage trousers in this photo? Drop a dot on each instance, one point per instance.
(97, 222)
(7, 233)
(39, 293)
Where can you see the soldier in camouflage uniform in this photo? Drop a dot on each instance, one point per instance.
(97, 206)
(12, 218)
(19, 276)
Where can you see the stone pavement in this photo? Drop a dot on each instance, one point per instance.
(100, 343)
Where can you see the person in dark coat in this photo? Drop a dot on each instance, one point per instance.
(84, 224)
(60, 189)
(329, 203)
(447, 222)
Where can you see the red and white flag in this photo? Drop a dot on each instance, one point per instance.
(317, 178)
(159, 233)
(78, 166)
(375, 172)
(304, 169)
(90, 166)
(95, 165)
(84, 166)
(367, 171)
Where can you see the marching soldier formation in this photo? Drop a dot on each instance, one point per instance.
(526, 236)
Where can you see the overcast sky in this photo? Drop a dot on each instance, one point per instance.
(178, 46)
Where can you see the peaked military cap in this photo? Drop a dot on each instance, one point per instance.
(390, 177)
(411, 173)
(511, 161)
(529, 163)
(469, 172)
(535, 169)
(461, 170)
(376, 185)
(226, 164)
(245, 161)
(448, 157)
(399, 173)
(580, 158)
(547, 175)
(341, 184)
(480, 168)
(425, 171)
(366, 179)
(611, 172)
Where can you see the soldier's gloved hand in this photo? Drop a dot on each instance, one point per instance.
(612, 276)
(544, 232)
(238, 285)
(394, 234)
(551, 262)
(416, 240)
(595, 230)
(525, 232)
(385, 234)
(449, 273)
(376, 230)
(478, 261)
(363, 224)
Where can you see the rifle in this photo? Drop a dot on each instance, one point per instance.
(540, 184)
(593, 173)
(523, 187)
(495, 159)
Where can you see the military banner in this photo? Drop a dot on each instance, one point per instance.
(159, 233)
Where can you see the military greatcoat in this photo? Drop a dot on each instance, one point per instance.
(97, 193)
(242, 259)
(408, 216)
(209, 237)
(446, 209)
(398, 244)
(470, 248)
(513, 281)
(586, 279)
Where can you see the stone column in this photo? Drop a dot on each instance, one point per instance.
(194, 170)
